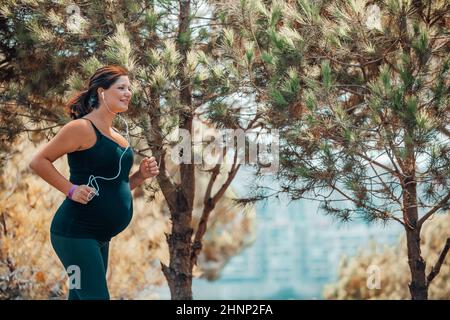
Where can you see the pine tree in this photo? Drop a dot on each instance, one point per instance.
(360, 92)
(179, 74)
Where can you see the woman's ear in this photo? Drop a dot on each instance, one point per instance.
(101, 93)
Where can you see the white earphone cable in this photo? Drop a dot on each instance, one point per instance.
(92, 178)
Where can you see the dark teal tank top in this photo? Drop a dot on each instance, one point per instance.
(111, 211)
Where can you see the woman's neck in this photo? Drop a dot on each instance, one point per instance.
(104, 117)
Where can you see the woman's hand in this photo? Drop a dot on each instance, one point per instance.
(148, 168)
(83, 194)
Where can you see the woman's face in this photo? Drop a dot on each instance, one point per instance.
(118, 96)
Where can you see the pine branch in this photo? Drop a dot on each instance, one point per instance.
(214, 173)
(210, 203)
(40, 129)
(33, 117)
(392, 146)
(437, 267)
(224, 187)
(395, 173)
(367, 206)
(385, 186)
(3, 222)
(444, 130)
(441, 204)
(205, 99)
(208, 206)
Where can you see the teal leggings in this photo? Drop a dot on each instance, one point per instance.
(86, 262)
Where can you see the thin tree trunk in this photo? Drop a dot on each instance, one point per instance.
(179, 272)
(418, 285)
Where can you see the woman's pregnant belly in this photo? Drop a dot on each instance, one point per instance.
(104, 216)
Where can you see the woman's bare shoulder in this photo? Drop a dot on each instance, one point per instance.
(78, 125)
(76, 130)
(71, 137)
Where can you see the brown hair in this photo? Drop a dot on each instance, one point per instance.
(85, 101)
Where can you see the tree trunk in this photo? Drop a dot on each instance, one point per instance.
(180, 201)
(179, 272)
(418, 285)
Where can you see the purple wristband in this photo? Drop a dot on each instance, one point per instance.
(72, 189)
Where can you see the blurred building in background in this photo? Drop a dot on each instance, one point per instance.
(297, 251)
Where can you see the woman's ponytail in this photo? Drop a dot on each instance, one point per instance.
(80, 105)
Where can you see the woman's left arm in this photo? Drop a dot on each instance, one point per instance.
(148, 168)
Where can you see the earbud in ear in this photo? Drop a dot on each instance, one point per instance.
(103, 95)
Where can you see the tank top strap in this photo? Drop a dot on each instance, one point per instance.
(97, 132)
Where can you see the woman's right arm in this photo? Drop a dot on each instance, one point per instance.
(68, 139)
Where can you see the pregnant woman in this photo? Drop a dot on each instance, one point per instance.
(99, 203)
